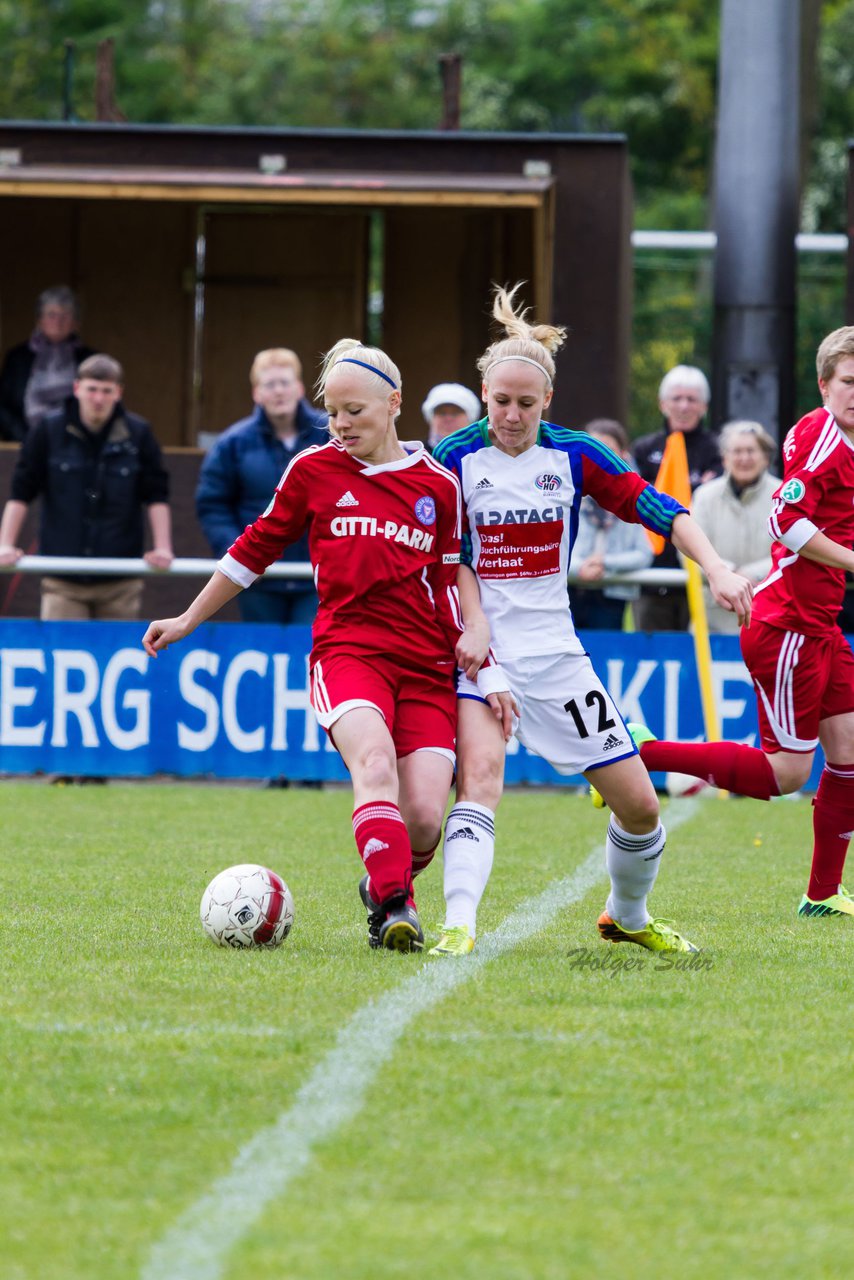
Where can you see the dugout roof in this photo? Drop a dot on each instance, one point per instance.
(191, 249)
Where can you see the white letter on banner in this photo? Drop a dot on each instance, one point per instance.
(12, 696)
(136, 700)
(731, 708)
(672, 671)
(249, 660)
(285, 700)
(202, 699)
(628, 699)
(66, 703)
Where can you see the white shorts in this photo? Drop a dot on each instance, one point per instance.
(566, 714)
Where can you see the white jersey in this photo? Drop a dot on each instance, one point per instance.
(521, 523)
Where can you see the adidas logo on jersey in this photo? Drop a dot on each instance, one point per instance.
(373, 846)
(611, 742)
(464, 833)
(347, 500)
(484, 484)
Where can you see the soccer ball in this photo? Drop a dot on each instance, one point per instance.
(247, 906)
(683, 784)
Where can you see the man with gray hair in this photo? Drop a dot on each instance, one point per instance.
(683, 398)
(38, 375)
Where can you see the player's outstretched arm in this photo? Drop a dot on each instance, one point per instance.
(824, 550)
(216, 592)
(730, 589)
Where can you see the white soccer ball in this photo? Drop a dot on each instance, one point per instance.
(247, 906)
(683, 784)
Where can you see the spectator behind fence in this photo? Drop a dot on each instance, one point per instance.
(733, 510)
(683, 397)
(96, 468)
(38, 375)
(449, 406)
(605, 544)
(241, 472)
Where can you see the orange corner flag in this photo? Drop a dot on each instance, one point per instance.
(673, 478)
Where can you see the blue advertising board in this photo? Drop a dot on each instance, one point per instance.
(231, 701)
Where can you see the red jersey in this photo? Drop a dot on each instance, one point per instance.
(385, 544)
(816, 496)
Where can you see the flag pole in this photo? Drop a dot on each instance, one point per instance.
(703, 655)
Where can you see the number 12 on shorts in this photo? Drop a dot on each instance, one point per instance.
(593, 700)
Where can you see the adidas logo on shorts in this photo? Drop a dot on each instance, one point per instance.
(612, 741)
(464, 833)
(347, 500)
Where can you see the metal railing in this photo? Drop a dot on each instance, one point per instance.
(201, 568)
(805, 241)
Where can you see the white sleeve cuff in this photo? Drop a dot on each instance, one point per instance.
(492, 679)
(799, 534)
(237, 572)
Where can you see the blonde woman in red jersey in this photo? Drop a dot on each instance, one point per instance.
(384, 539)
(802, 665)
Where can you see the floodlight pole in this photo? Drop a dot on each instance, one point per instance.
(757, 189)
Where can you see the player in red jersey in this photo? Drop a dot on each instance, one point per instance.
(802, 665)
(384, 538)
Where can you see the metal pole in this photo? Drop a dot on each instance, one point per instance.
(757, 183)
(450, 65)
(68, 80)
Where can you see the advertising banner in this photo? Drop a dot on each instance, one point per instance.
(231, 701)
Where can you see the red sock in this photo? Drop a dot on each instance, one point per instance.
(383, 845)
(832, 821)
(730, 765)
(421, 861)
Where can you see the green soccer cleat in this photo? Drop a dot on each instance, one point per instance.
(640, 734)
(656, 935)
(838, 904)
(455, 941)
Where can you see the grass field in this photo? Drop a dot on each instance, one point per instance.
(521, 1114)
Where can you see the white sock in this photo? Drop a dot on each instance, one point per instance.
(468, 852)
(632, 863)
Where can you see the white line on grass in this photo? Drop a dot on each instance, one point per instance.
(198, 1245)
(145, 1028)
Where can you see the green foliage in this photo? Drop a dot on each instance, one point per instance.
(547, 1118)
(672, 325)
(646, 68)
(643, 67)
(824, 203)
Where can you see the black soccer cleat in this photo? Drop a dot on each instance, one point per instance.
(401, 929)
(376, 915)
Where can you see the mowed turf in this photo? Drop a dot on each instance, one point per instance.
(549, 1118)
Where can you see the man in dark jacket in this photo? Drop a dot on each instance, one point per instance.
(683, 398)
(96, 468)
(241, 471)
(37, 375)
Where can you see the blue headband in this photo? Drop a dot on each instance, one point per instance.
(378, 372)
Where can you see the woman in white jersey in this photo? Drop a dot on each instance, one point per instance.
(522, 481)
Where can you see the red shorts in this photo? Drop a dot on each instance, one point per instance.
(419, 708)
(799, 681)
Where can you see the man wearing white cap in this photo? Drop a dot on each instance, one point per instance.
(448, 407)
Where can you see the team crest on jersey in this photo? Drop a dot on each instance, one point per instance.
(793, 491)
(425, 510)
(548, 482)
